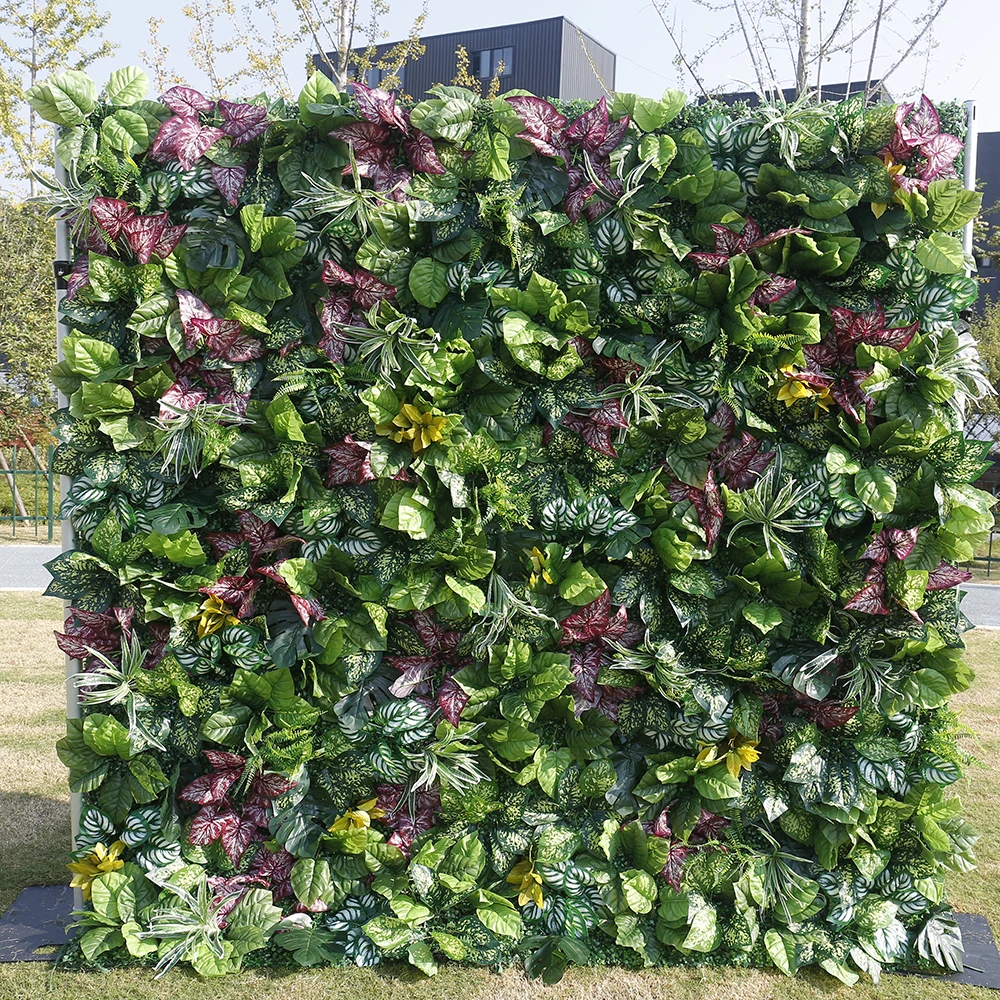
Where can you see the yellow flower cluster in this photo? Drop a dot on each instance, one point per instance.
(215, 616)
(414, 425)
(793, 390)
(528, 882)
(539, 565)
(359, 818)
(738, 753)
(98, 861)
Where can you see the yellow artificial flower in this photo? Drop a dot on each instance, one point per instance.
(413, 425)
(793, 390)
(528, 882)
(101, 859)
(738, 753)
(215, 616)
(894, 169)
(539, 565)
(359, 818)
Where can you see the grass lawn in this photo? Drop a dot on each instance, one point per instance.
(34, 832)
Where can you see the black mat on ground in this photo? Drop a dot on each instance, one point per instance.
(982, 960)
(37, 919)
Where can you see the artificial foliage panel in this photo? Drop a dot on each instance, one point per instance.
(514, 531)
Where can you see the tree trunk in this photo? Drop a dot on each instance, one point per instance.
(802, 62)
(344, 26)
(12, 479)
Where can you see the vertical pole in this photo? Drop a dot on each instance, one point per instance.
(971, 156)
(64, 251)
(51, 483)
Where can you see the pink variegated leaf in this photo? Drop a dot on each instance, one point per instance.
(212, 787)
(595, 433)
(586, 665)
(223, 760)
(897, 338)
(420, 151)
(922, 124)
(941, 153)
(181, 397)
(369, 291)
(869, 600)
(541, 120)
(613, 137)
(415, 673)
(191, 307)
(452, 700)
(186, 101)
(269, 785)
(370, 142)
(773, 237)
(618, 625)
(709, 826)
(829, 713)
(229, 181)
(673, 868)
(895, 543)
(433, 632)
(335, 274)
(163, 147)
(263, 536)
(590, 622)
(308, 608)
(705, 261)
(236, 591)
(169, 240)
(243, 122)
(727, 242)
(707, 503)
(772, 290)
(192, 140)
(143, 233)
(944, 576)
(350, 462)
(743, 462)
(577, 196)
(236, 838)
(79, 277)
(378, 105)
(257, 810)
(111, 214)
(591, 128)
(661, 825)
(210, 825)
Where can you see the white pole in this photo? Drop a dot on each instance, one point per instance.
(64, 252)
(971, 154)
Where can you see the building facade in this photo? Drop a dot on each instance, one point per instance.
(550, 58)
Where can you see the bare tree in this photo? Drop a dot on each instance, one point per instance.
(792, 41)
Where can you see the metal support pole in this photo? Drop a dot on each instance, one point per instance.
(971, 155)
(64, 252)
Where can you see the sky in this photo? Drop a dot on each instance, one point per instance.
(963, 64)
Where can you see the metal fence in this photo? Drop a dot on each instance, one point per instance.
(29, 500)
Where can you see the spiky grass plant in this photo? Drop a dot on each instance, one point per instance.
(181, 438)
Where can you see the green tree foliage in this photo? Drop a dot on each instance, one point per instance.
(27, 317)
(37, 38)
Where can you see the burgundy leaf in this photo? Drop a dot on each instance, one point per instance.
(772, 290)
(79, 277)
(743, 462)
(191, 307)
(895, 543)
(941, 153)
(869, 600)
(944, 575)
(229, 181)
(586, 665)
(211, 788)
(237, 837)
(186, 101)
(828, 714)
(163, 147)
(350, 462)
(452, 700)
(590, 622)
(269, 785)
(709, 826)
(661, 825)
(613, 137)
(415, 673)
(543, 125)
(370, 142)
(918, 123)
(243, 122)
(236, 591)
(673, 869)
(102, 631)
(705, 261)
(433, 633)
(308, 608)
(111, 214)
(773, 237)
(419, 149)
(169, 240)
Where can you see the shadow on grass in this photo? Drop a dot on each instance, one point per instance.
(35, 839)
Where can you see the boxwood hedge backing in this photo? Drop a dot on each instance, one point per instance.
(510, 528)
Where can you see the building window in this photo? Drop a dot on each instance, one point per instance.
(375, 76)
(488, 63)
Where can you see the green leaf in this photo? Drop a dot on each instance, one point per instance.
(428, 282)
(783, 950)
(639, 890)
(411, 512)
(106, 736)
(126, 131)
(498, 914)
(67, 98)
(580, 585)
(311, 880)
(183, 548)
(420, 955)
(126, 86)
(941, 253)
(764, 617)
(310, 945)
(876, 489)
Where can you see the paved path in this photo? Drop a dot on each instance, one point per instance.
(21, 566)
(982, 603)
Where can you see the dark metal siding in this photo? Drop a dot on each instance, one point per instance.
(988, 171)
(578, 78)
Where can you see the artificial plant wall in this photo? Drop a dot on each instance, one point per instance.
(514, 529)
